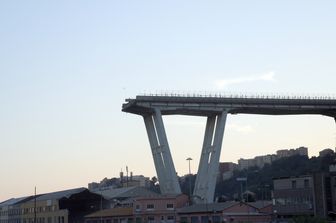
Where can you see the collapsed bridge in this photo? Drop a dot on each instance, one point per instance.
(215, 108)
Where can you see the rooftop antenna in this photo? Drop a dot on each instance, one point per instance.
(126, 176)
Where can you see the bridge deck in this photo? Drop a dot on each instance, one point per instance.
(205, 106)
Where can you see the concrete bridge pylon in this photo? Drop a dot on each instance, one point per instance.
(161, 154)
(209, 162)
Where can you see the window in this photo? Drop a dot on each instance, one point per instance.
(215, 219)
(204, 219)
(306, 183)
(294, 184)
(150, 206)
(184, 220)
(170, 219)
(170, 206)
(137, 207)
(151, 219)
(194, 219)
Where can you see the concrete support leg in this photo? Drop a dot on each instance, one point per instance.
(209, 162)
(161, 154)
(156, 149)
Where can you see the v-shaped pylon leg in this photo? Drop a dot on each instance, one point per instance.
(161, 154)
(209, 162)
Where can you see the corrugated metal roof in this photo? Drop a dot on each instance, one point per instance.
(13, 201)
(60, 194)
(126, 192)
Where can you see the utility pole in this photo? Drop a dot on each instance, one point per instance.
(335, 135)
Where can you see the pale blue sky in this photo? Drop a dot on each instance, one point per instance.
(67, 66)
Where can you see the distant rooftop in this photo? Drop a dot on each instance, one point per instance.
(123, 211)
(42, 197)
(217, 207)
(126, 192)
(60, 194)
(14, 201)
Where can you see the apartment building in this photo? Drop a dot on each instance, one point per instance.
(326, 152)
(158, 209)
(261, 161)
(294, 196)
(302, 151)
(312, 195)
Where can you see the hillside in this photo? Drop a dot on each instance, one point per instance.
(260, 182)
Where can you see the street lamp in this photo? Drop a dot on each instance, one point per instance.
(189, 159)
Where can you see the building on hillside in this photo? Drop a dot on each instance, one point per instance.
(326, 152)
(136, 181)
(258, 161)
(302, 151)
(230, 211)
(261, 161)
(226, 170)
(123, 181)
(105, 184)
(246, 163)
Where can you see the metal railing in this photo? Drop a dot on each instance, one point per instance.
(248, 95)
